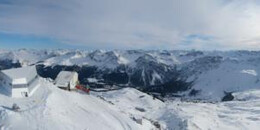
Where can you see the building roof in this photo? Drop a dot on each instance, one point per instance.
(20, 73)
(64, 77)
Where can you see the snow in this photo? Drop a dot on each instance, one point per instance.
(252, 94)
(102, 59)
(20, 75)
(51, 108)
(25, 56)
(250, 72)
(92, 80)
(178, 115)
(235, 115)
(155, 77)
(229, 77)
(106, 59)
(128, 99)
(236, 72)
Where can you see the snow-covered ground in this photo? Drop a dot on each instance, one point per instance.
(51, 108)
(241, 114)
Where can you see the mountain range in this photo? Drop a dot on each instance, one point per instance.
(203, 75)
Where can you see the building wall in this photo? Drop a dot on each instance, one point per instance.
(73, 81)
(34, 86)
(32, 75)
(22, 88)
(19, 81)
(18, 87)
(33, 83)
(6, 83)
(19, 92)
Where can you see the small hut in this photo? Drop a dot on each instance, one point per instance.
(67, 80)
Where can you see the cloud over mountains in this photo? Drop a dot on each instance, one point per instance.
(137, 24)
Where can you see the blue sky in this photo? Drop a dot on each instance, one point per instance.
(17, 41)
(14, 41)
(130, 24)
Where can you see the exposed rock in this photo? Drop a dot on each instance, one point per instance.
(228, 97)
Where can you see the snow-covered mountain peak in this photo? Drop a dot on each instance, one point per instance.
(207, 70)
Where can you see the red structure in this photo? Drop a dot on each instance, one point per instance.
(83, 88)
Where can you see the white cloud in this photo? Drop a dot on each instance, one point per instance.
(136, 24)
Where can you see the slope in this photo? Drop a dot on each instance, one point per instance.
(241, 114)
(52, 108)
